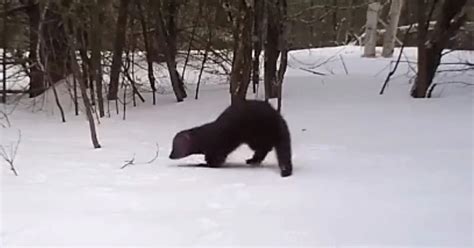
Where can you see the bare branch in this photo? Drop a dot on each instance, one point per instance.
(390, 74)
(9, 156)
(432, 87)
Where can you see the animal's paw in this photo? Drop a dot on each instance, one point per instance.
(253, 161)
(285, 173)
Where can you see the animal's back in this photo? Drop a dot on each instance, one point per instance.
(254, 122)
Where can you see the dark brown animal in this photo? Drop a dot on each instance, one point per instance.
(255, 123)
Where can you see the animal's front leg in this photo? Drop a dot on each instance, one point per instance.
(215, 160)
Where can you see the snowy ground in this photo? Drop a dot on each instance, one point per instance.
(368, 169)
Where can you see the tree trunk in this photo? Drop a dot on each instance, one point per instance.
(80, 77)
(55, 42)
(448, 22)
(172, 36)
(4, 53)
(119, 43)
(371, 29)
(36, 85)
(167, 48)
(283, 45)
(392, 27)
(87, 104)
(271, 49)
(257, 42)
(148, 49)
(240, 75)
(96, 48)
(420, 86)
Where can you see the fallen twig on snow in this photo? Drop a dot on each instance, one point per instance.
(132, 161)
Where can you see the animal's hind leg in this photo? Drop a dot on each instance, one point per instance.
(258, 156)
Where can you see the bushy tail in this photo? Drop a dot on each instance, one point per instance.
(283, 150)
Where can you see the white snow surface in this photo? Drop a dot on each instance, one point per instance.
(369, 170)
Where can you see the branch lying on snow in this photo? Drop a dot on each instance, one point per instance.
(311, 68)
(9, 156)
(129, 162)
(311, 71)
(132, 161)
(432, 87)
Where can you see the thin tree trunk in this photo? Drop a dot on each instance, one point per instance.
(55, 45)
(448, 22)
(240, 75)
(191, 40)
(371, 29)
(283, 44)
(87, 104)
(149, 58)
(124, 101)
(40, 47)
(119, 43)
(271, 49)
(204, 60)
(4, 53)
(257, 42)
(166, 47)
(76, 104)
(172, 36)
(392, 27)
(36, 85)
(85, 98)
(96, 48)
(420, 84)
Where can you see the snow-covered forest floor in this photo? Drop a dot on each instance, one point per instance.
(369, 169)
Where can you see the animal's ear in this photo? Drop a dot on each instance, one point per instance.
(184, 139)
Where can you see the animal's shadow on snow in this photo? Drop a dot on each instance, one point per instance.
(230, 166)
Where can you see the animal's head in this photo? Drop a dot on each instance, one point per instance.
(182, 145)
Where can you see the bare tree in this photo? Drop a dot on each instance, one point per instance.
(4, 52)
(240, 75)
(119, 43)
(271, 48)
(36, 85)
(257, 39)
(147, 40)
(450, 18)
(167, 42)
(276, 45)
(283, 46)
(78, 75)
(96, 29)
(86, 101)
(373, 10)
(392, 27)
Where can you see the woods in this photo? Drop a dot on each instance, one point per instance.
(248, 40)
(277, 123)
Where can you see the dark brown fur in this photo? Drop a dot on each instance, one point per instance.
(255, 123)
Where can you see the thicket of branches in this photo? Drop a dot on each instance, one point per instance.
(52, 40)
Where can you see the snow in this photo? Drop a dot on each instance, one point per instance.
(369, 170)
